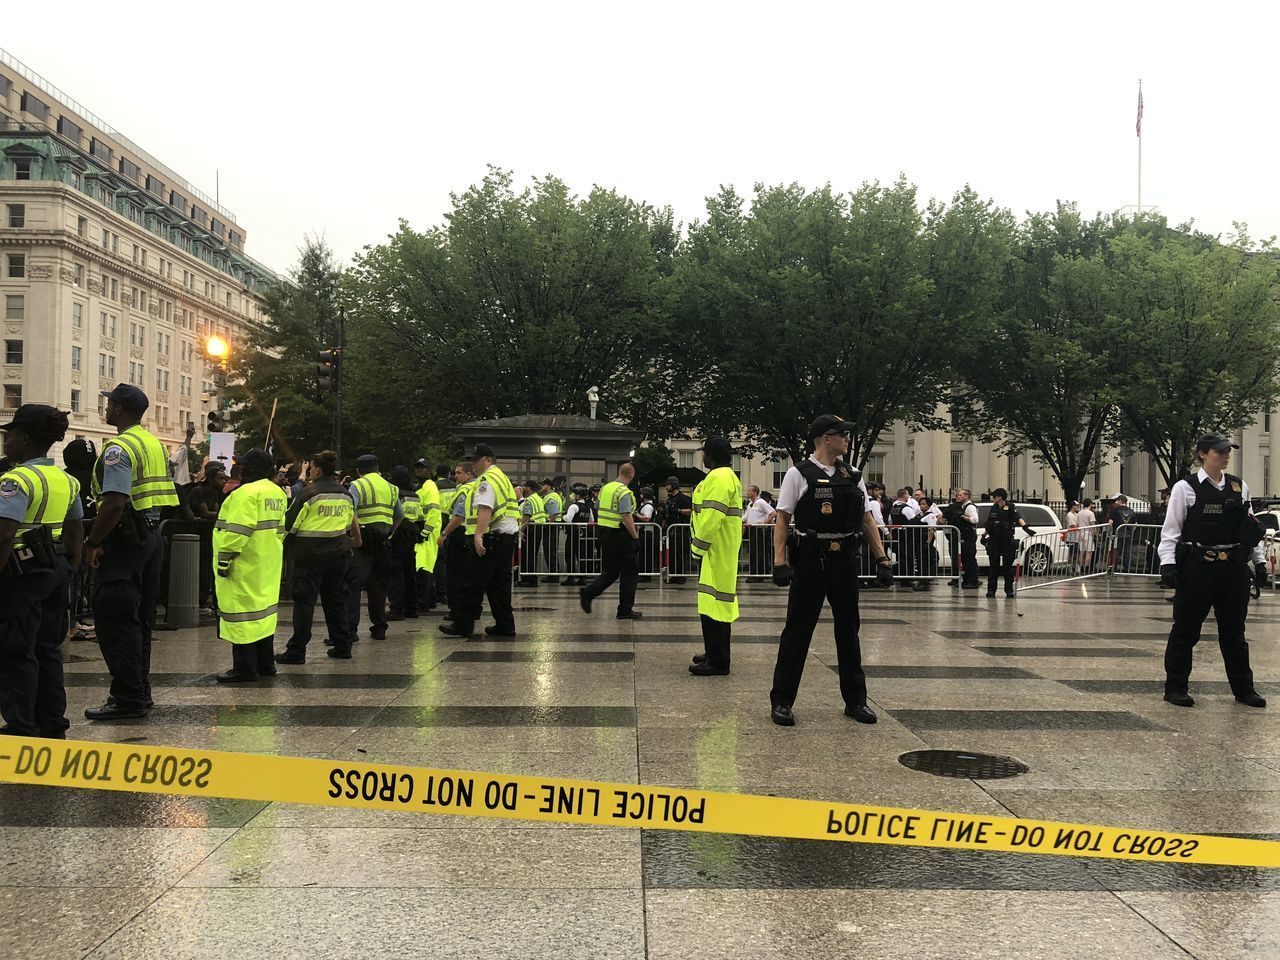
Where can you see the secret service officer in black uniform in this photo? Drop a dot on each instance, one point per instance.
(1207, 543)
(828, 501)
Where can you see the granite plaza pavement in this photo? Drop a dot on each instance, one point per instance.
(1071, 688)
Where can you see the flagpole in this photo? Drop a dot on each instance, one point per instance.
(270, 423)
(1139, 147)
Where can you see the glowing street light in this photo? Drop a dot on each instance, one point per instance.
(216, 348)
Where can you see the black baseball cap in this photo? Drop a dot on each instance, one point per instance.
(673, 481)
(482, 450)
(421, 462)
(547, 483)
(30, 415)
(366, 461)
(128, 396)
(718, 447)
(1215, 441)
(827, 422)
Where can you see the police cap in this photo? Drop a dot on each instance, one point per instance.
(482, 450)
(128, 396)
(256, 464)
(826, 423)
(1215, 441)
(719, 449)
(30, 415)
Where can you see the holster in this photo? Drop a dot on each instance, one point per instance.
(38, 554)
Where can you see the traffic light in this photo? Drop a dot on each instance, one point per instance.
(217, 422)
(328, 369)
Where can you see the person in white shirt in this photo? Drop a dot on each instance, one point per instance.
(1087, 521)
(756, 522)
(905, 515)
(1208, 541)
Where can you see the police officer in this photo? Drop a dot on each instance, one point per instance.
(579, 513)
(716, 540)
(677, 510)
(402, 586)
(963, 515)
(533, 521)
(905, 514)
(248, 556)
(130, 485)
(321, 527)
(379, 513)
(619, 545)
(41, 536)
(1207, 543)
(553, 502)
(426, 550)
(828, 501)
(492, 527)
(453, 539)
(1001, 540)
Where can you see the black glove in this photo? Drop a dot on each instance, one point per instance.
(884, 573)
(1168, 575)
(1028, 531)
(224, 568)
(782, 575)
(1260, 577)
(983, 541)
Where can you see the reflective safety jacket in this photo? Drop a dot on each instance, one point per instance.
(610, 511)
(248, 541)
(716, 537)
(378, 500)
(50, 493)
(151, 487)
(539, 514)
(470, 517)
(548, 500)
(504, 498)
(319, 519)
(432, 523)
(411, 504)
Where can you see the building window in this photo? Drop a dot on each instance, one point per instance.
(75, 400)
(12, 396)
(178, 200)
(75, 358)
(80, 275)
(77, 315)
(107, 325)
(1266, 419)
(106, 239)
(129, 169)
(155, 186)
(69, 130)
(874, 468)
(136, 373)
(957, 470)
(1011, 475)
(36, 108)
(1266, 476)
(228, 300)
(137, 335)
(100, 150)
(13, 351)
(17, 266)
(5, 87)
(17, 214)
(106, 366)
(22, 169)
(82, 228)
(14, 307)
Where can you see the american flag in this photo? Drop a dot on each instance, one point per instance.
(1139, 109)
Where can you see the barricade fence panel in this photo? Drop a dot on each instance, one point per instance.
(1271, 548)
(918, 551)
(549, 551)
(1135, 550)
(1058, 556)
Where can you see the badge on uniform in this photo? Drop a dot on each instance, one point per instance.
(826, 509)
(9, 488)
(835, 546)
(111, 457)
(1235, 487)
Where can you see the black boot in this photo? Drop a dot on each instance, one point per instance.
(266, 653)
(244, 664)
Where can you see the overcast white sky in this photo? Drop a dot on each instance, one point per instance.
(339, 119)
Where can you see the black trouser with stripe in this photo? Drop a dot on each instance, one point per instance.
(326, 578)
(1000, 557)
(618, 560)
(33, 624)
(369, 570)
(1223, 587)
(488, 578)
(125, 591)
(817, 577)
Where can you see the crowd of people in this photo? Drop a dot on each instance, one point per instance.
(427, 539)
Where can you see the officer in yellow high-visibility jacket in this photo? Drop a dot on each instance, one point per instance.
(427, 549)
(553, 503)
(716, 538)
(131, 485)
(533, 519)
(619, 545)
(321, 531)
(379, 513)
(41, 535)
(492, 525)
(248, 555)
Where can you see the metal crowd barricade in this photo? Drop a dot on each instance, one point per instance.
(550, 551)
(1271, 550)
(919, 552)
(755, 560)
(1134, 550)
(1059, 556)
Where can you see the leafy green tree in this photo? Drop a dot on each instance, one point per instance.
(1198, 327)
(519, 303)
(813, 302)
(279, 361)
(1036, 369)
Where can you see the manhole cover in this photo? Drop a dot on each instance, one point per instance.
(968, 766)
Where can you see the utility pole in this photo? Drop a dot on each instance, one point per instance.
(342, 363)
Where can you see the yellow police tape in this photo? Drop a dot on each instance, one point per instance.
(375, 786)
